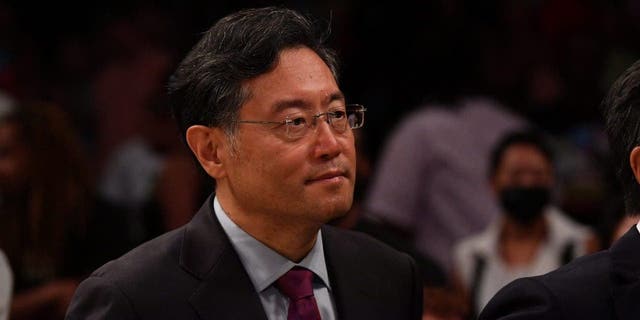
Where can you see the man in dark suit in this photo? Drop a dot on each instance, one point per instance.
(605, 285)
(258, 101)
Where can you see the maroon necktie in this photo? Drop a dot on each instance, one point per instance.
(297, 285)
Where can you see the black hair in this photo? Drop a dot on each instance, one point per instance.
(621, 109)
(207, 87)
(527, 137)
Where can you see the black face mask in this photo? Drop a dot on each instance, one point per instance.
(524, 204)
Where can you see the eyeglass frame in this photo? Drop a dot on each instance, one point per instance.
(348, 109)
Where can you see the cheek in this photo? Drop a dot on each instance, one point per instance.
(270, 164)
(288, 155)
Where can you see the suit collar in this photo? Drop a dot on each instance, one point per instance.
(625, 274)
(354, 287)
(225, 290)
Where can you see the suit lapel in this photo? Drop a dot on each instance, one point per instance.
(625, 275)
(225, 290)
(354, 287)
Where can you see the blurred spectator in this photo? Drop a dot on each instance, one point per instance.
(147, 184)
(6, 286)
(121, 91)
(531, 236)
(430, 182)
(45, 195)
(150, 178)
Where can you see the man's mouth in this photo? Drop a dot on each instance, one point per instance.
(328, 176)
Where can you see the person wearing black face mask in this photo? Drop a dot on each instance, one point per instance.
(531, 236)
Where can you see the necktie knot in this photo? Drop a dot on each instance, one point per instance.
(296, 284)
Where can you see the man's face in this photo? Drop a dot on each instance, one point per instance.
(309, 180)
(523, 165)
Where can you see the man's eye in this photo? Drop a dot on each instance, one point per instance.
(338, 114)
(299, 121)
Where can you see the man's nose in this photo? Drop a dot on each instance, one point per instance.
(326, 141)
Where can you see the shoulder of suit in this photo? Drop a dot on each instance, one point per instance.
(569, 280)
(145, 261)
(349, 251)
(578, 290)
(357, 241)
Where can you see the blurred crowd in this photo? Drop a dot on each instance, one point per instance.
(475, 109)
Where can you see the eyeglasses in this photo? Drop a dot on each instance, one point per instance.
(297, 125)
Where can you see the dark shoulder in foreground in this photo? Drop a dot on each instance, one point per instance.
(134, 284)
(143, 265)
(578, 290)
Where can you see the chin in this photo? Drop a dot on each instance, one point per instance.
(340, 213)
(326, 206)
(337, 208)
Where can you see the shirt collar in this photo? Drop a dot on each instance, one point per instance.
(263, 264)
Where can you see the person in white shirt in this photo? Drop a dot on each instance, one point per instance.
(531, 236)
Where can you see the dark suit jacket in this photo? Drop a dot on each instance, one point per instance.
(194, 273)
(604, 285)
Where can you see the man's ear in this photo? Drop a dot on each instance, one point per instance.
(634, 161)
(207, 144)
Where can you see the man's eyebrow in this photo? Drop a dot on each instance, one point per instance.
(338, 95)
(286, 104)
(304, 104)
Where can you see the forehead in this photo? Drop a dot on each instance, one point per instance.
(300, 78)
(523, 155)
